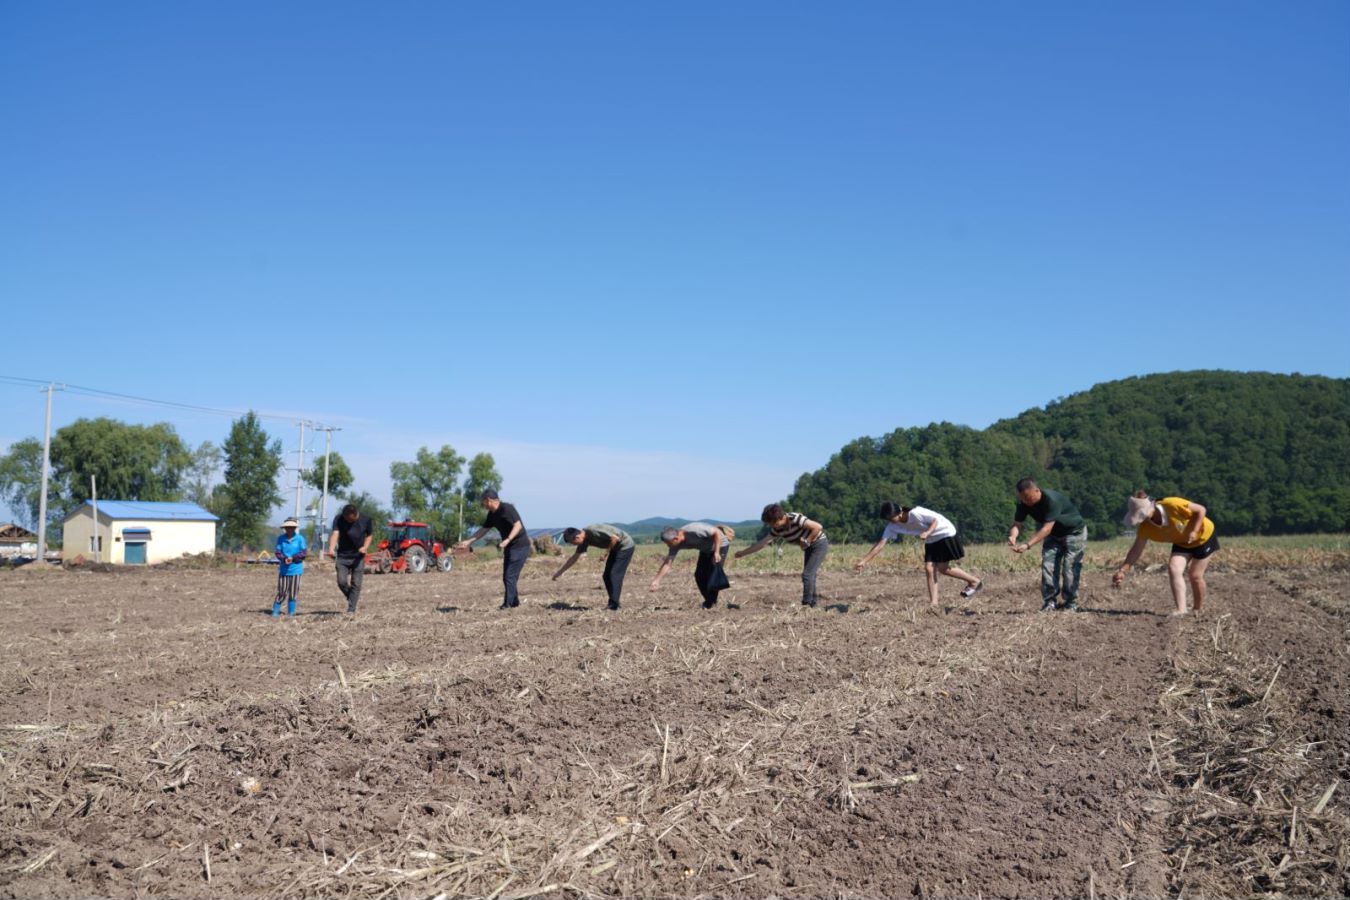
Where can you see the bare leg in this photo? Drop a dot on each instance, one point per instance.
(1195, 573)
(955, 572)
(929, 571)
(1176, 574)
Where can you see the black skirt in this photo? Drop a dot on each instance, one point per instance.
(945, 550)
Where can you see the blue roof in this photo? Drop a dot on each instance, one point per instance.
(150, 510)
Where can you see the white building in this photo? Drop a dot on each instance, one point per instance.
(16, 542)
(135, 532)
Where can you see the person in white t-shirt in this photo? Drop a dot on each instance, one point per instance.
(941, 545)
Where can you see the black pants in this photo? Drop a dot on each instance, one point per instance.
(811, 560)
(350, 571)
(615, 568)
(513, 560)
(710, 577)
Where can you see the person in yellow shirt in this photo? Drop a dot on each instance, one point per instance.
(1184, 525)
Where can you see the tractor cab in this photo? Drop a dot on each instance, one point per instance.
(403, 535)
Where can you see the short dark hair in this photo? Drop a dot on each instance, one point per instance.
(1026, 484)
(349, 509)
(772, 513)
(488, 494)
(890, 510)
(570, 534)
(669, 534)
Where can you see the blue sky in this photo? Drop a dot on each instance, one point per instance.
(661, 259)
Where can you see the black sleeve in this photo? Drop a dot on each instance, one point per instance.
(366, 528)
(510, 516)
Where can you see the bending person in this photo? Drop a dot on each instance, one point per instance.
(1064, 534)
(711, 543)
(795, 528)
(618, 547)
(1181, 523)
(514, 543)
(941, 545)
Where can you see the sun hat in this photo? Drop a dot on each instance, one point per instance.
(1137, 509)
(290, 523)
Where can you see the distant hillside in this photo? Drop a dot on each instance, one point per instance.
(648, 531)
(1266, 454)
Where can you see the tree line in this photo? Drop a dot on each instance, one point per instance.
(1264, 453)
(235, 480)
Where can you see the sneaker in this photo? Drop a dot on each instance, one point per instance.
(1048, 606)
(1071, 606)
(972, 590)
(809, 603)
(709, 604)
(612, 606)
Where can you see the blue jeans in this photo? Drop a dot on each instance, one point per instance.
(812, 557)
(1062, 565)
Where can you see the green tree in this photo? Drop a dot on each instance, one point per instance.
(21, 480)
(250, 491)
(131, 462)
(427, 489)
(340, 476)
(1264, 453)
(483, 474)
(201, 473)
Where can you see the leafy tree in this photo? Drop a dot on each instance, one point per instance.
(427, 489)
(131, 462)
(1264, 453)
(483, 474)
(21, 480)
(250, 489)
(340, 476)
(201, 473)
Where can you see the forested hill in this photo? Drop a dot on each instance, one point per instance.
(1266, 454)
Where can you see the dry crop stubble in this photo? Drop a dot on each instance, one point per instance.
(434, 745)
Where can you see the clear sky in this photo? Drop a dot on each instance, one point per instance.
(659, 259)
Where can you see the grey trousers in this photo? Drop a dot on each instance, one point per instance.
(812, 557)
(350, 570)
(1062, 565)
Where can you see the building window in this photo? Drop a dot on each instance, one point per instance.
(96, 544)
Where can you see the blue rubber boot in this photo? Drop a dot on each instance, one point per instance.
(290, 607)
(276, 608)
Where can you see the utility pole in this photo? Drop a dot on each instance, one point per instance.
(93, 495)
(46, 471)
(299, 469)
(323, 500)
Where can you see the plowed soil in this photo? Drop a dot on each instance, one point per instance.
(162, 735)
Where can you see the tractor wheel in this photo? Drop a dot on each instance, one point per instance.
(445, 562)
(416, 560)
(379, 563)
(385, 564)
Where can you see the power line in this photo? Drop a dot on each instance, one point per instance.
(150, 401)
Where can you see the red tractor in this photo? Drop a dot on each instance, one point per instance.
(409, 548)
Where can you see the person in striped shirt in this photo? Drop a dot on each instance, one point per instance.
(941, 545)
(795, 528)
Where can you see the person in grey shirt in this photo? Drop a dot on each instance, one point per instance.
(711, 542)
(618, 547)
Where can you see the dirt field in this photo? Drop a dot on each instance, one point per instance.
(161, 735)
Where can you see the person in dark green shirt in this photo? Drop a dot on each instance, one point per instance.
(1063, 538)
(618, 547)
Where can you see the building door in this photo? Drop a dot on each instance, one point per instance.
(134, 555)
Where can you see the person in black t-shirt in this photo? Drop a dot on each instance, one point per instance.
(347, 546)
(515, 543)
